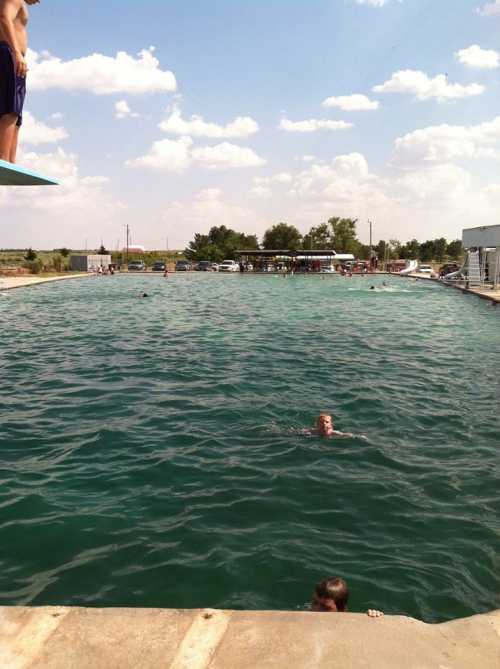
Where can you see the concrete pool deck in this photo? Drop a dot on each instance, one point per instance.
(79, 638)
(13, 282)
(483, 293)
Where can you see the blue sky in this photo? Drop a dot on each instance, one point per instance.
(418, 153)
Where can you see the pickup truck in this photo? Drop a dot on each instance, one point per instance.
(229, 266)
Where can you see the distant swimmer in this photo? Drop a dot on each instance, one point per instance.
(144, 295)
(332, 596)
(372, 287)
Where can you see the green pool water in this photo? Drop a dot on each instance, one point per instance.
(151, 451)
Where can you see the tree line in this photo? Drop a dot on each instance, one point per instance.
(337, 233)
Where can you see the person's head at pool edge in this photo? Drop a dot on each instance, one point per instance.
(325, 424)
(331, 595)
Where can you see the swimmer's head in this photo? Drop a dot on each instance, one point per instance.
(325, 424)
(331, 595)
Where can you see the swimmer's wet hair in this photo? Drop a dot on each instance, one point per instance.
(333, 588)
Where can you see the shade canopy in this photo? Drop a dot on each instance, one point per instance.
(15, 175)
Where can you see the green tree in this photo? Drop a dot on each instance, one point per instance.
(30, 255)
(319, 237)
(221, 243)
(282, 236)
(344, 239)
(64, 252)
(410, 250)
(440, 246)
(102, 250)
(455, 249)
(426, 252)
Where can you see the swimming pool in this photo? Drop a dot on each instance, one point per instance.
(151, 449)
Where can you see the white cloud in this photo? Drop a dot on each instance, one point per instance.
(474, 56)
(243, 126)
(424, 88)
(102, 75)
(178, 155)
(51, 216)
(372, 3)
(260, 192)
(354, 102)
(35, 132)
(490, 9)
(166, 154)
(313, 125)
(279, 178)
(206, 209)
(309, 158)
(56, 116)
(122, 110)
(226, 155)
(443, 143)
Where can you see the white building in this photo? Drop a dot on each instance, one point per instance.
(483, 254)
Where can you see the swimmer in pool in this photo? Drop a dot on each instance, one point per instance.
(332, 595)
(324, 427)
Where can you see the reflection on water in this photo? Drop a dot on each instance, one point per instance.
(151, 450)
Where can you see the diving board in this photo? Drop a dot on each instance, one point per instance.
(15, 175)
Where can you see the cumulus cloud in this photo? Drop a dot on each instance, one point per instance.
(166, 154)
(226, 155)
(206, 209)
(260, 192)
(313, 125)
(354, 102)
(242, 126)
(100, 74)
(490, 9)
(122, 110)
(47, 216)
(35, 132)
(474, 56)
(443, 143)
(424, 88)
(178, 155)
(279, 178)
(372, 3)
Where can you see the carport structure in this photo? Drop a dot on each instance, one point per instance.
(298, 260)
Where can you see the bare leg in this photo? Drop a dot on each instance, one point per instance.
(13, 146)
(7, 136)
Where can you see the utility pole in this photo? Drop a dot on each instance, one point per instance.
(128, 237)
(371, 251)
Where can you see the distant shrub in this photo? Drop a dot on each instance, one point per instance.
(58, 263)
(30, 255)
(34, 266)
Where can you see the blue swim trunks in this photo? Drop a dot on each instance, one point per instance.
(12, 87)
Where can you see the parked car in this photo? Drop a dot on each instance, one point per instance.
(425, 269)
(159, 266)
(448, 269)
(136, 266)
(229, 266)
(215, 267)
(204, 266)
(182, 266)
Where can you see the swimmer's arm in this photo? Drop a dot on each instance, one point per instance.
(336, 433)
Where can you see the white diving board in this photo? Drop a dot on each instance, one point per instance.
(15, 175)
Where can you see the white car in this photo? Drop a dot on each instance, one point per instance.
(425, 269)
(215, 267)
(229, 266)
